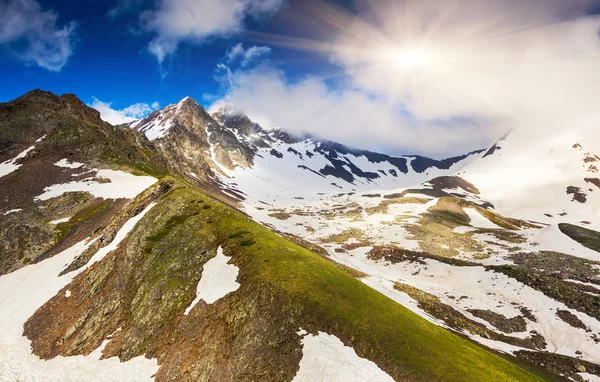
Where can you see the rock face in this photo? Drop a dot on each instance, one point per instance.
(37, 113)
(192, 142)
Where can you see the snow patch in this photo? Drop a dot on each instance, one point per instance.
(485, 290)
(122, 185)
(587, 377)
(478, 220)
(552, 239)
(217, 281)
(10, 165)
(326, 358)
(13, 211)
(58, 221)
(302, 332)
(66, 164)
(462, 229)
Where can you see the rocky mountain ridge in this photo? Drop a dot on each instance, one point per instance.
(202, 145)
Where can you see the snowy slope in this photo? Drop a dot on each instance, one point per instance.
(158, 123)
(552, 178)
(287, 167)
(305, 169)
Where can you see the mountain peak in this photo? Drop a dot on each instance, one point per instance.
(187, 100)
(48, 110)
(68, 103)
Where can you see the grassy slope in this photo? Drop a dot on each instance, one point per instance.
(250, 333)
(390, 332)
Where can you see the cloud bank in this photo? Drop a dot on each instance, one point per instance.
(436, 78)
(33, 36)
(174, 21)
(352, 117)
(128, 114)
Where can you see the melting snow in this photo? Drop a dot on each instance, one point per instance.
(66, 164)
(122, 185)
(326, 358)
(462, 229)
(13, 211)
(58, 221)
(587, 377)
(552, 239)
(24, 291)
(218, 280)
(10, 165)
(478, 220)
(483, 290)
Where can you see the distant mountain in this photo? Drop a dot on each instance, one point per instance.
(228, 147)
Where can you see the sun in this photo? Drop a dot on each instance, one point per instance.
(410, 59)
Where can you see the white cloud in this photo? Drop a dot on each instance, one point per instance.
(128, 114)
(349, 116)
(501, 58)
(438, 79)
(246, 55)
(174, 21)
(33, 36)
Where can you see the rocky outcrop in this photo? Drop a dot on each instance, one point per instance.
(192, 143)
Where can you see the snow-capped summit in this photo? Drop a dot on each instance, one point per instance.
(228, 147)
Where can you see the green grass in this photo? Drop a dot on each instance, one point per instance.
(295, 287)
(247, 242)
(63, 229)
(171, 223)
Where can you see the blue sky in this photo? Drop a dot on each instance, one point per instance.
(111, 61)
(398, 76)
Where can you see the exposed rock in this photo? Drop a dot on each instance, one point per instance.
(506, 325)
(584, 236)
(560, 364)
(570, 319)
(578, 195)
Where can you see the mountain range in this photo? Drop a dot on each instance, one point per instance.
(191, 245)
